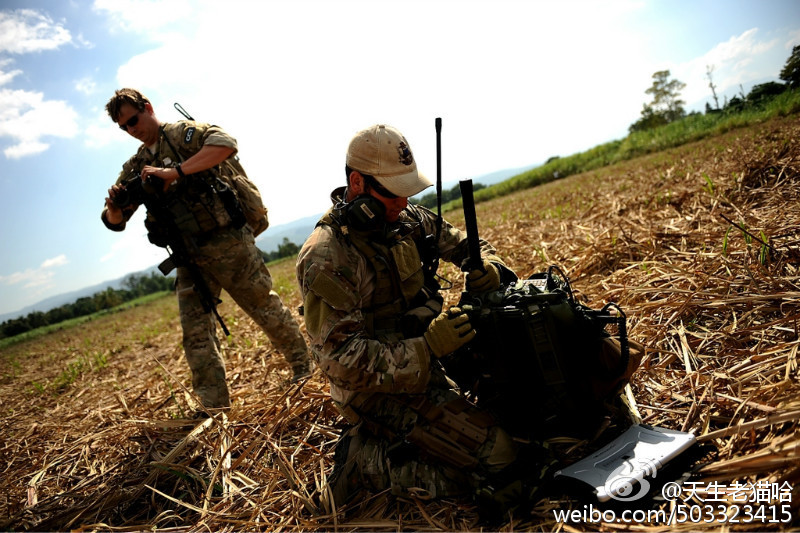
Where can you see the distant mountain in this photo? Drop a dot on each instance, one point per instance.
(501, 175)
(296, 231)
(486, 179)
(71, 297)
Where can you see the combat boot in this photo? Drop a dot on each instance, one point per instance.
(301, 370)
(359, 464)
(513, 492)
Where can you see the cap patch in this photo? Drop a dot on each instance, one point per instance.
(406, 157)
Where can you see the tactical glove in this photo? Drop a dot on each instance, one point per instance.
(416, 321)
(486, 278)
(448, 332)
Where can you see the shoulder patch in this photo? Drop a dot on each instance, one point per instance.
(189, 134)
(332, 292)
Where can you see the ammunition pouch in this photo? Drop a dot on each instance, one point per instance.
(197, 209)
(454, 431)
(190, 219)
(450, 432)
(157, 234)
(231, 204)
(541, 363)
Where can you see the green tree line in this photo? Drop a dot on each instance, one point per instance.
(286, 249)
(134, 286)
(666, 105)
(663, 123)
(671, 127)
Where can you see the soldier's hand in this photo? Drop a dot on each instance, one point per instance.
(448, 332)
(486, 278)
(167, 175)
(113, 213)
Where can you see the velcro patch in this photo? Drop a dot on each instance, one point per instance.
(332, 292)
(189, 134)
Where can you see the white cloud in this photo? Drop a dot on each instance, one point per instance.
(132, 249)
(26, 117)
(280, 77)
(794, 40)
(40, 277)
(101, 131)
(138, 15)
(55, 261)
(7, 76)
(26, 30)
(29, 278)
(83, 42)
(86, 86)
(738, 61)
(25, 149)
(513, 83)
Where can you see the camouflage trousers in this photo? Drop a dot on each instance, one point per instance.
(231, 261)
(429, 445)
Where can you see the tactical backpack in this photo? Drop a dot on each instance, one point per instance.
(255, 212)
(543, 364)
(247, 194)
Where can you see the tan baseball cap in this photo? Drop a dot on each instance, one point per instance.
(382, 152)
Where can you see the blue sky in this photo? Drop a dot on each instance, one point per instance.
(514, 81)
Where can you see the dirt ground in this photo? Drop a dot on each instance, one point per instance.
(699, 244)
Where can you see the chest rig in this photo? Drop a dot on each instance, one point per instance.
(393, 254)
(198, 205)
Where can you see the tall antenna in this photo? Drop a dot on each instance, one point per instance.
(438, 178)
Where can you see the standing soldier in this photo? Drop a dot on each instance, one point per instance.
(195, 162)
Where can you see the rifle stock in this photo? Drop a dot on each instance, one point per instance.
(471, 222)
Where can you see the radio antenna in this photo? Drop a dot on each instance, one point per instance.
(182, 111)
(438, 178)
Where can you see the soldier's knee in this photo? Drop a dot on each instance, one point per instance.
(359, 462)
(502, 452)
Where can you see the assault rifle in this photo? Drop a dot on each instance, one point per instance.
(179, 258)
(176, 247)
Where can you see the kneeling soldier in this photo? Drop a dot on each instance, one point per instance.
(377, 330)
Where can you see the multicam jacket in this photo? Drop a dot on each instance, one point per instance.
(202, 210)
(343, 294)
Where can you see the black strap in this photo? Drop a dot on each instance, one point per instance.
(178, 156)
(230, 201)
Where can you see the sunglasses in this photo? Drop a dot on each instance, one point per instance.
(380, 189)
(131, 122)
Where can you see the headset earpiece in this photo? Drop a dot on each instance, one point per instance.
(365, 212)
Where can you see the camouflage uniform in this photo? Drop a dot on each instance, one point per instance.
(365, 317)
(227, 257)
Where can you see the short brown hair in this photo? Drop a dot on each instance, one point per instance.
(125, 96)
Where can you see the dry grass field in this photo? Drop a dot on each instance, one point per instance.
(699, 244)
